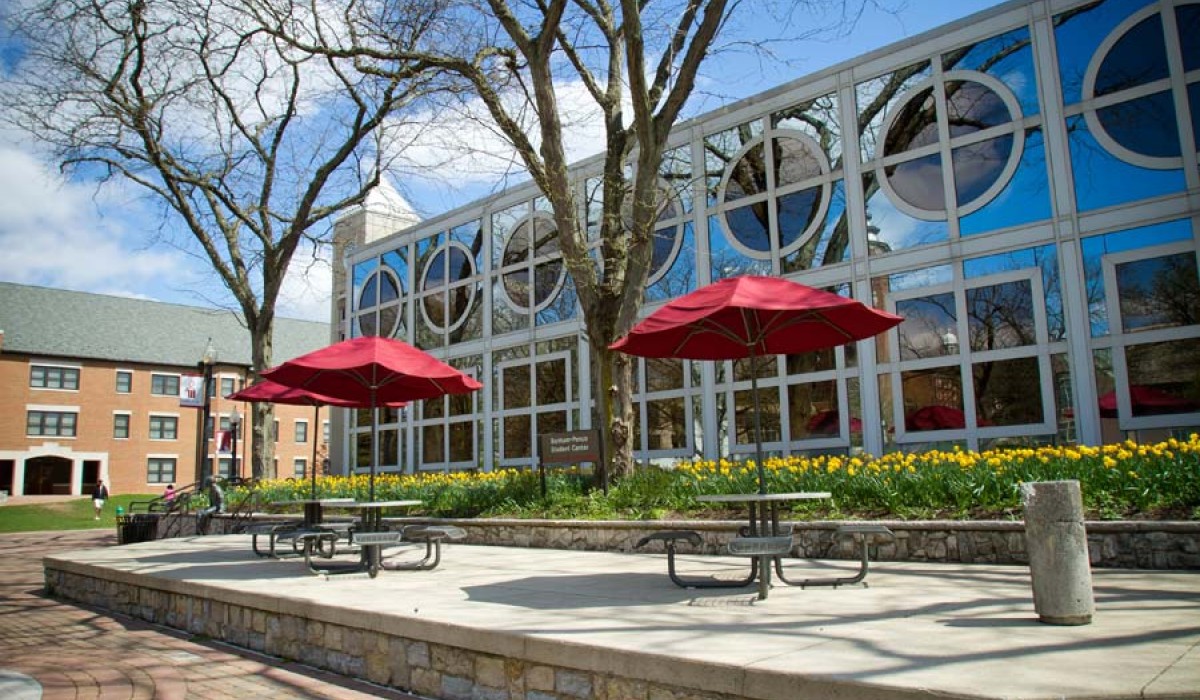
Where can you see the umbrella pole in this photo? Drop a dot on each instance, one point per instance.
(758, 453)
(374, 442)
(313, 437)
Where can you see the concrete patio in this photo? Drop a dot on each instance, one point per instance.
(539, 624)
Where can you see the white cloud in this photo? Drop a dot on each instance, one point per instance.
(53, 233)
(307, 288)
(463, 146)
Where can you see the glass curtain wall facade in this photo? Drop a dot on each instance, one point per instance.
(1021, 187)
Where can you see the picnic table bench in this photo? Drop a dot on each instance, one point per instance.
(762, 550)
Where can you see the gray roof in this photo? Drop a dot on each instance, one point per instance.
(61, 323)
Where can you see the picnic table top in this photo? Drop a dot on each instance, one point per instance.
(763, 497)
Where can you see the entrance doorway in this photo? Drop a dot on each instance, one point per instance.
(91, 473)
(45, 476)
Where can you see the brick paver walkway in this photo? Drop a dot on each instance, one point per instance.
(77, 652)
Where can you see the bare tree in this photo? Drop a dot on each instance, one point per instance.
(528, 49)
(247, 143)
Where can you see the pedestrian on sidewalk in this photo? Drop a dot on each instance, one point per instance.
(99, 496)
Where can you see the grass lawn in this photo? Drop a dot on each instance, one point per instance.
(76, 514)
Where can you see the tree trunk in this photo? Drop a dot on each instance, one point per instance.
(262, 344)
(617, 426)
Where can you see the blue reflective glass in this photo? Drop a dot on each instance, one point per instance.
(663, 245)
(395, 260)
(1138, 57)
(1026, 197)
(1103, 180)
(1009, 58)
(362, 273)
(796, 212)
(727, 261)
(1078, 33)
(681, 277)
(1187, 18)
(460, 267)
(919, 182)
(891, 229)
(972, 107)
(748, 176)
(749, 226)
(926, 277)
(830, 244)
(978, 166)
(915, 126)
(1094, 248)
(1145, 125)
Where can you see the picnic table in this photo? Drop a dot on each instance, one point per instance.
(370, 535)
(763, 539)
(306, 534)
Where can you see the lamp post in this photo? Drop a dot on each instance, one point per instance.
(207, 360)
(235, 421)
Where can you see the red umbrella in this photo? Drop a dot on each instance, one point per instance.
(369, 372)
(828, 423)
(749, 316)
(1146, 401)
(267, 391)
(935, 418)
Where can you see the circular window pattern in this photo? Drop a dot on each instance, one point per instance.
(793, 177)
(1129, 83)
(378, 306)
(532, 272)
(448, 275)
(668, 229)
(983, 121)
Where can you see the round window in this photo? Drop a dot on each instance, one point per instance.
(533, 272)
(982, 119)
(792, 180)
(1129, 80)
(447, 276)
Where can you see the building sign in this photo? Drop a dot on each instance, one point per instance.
(570, 448)
(191, 391)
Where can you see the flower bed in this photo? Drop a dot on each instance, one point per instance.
(1120, 481)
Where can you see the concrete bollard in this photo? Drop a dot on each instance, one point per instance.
(1058, 552)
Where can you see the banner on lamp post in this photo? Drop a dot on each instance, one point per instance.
(191, 391)
(224, 439)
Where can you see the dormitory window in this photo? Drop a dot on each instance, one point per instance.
(164, 384)
(160, 470)
(163, 427)
(49, 423)
(226, 386)
(299, 467)
(124, 382)
(41, 377)
(121, 426)
(301, 432)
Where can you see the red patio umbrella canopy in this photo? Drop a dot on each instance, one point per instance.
(370, 372)
(751, 316)
(267, 391)
(1146, 401)
(828, 423)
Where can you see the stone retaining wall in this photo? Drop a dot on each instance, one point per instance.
(1111, 544)
(354, 646)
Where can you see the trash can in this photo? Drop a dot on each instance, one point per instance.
(137, 527)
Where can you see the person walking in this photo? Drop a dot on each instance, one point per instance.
(99, 496)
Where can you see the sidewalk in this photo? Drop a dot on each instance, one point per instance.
(53, 650)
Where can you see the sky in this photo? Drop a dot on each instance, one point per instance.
(108, 239)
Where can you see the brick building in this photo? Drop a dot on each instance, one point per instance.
(91, 387)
